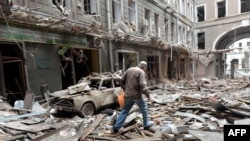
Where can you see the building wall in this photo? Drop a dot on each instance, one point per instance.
(241, 54)
(46, 29)
(220, 32)
(141, 54)
(164, 13)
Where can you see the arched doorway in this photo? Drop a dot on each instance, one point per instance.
(223, 43)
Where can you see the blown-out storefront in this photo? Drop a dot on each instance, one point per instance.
(33, 57)
(162, 63)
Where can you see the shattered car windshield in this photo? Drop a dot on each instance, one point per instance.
(95, 83)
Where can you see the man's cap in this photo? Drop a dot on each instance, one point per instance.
(143, 63)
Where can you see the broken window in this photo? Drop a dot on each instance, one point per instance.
(179, 35)
(172, 32)
(240, 44)
(117, 82)
(6, 6)
(62, 5)
(90, 7)
(147, 17)
(153, 67)
(201, 40)
(200, 13)
(126, 60)
(58, 3)
(107, 84)
(146, 22)
(95, 84)
(248, 43)
(245, 6)
(13, 83)
(132, 14)
(157, 28)
(116, 10)
(221, 9)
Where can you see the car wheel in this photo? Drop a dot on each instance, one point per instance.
(88, 109)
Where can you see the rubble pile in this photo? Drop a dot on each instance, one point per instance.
(181, 110)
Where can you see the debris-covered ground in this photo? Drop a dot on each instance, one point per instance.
(183, 110)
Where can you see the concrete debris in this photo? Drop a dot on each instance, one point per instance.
(186, 110)
(207, 136)
(163, 99)
(190, 115)
(242, 121)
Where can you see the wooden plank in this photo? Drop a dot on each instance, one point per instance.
(243, 100)
(51, 133)
(132, 135)
(17, 138)
(141, 132)
(10, 131)
(190, 115)
(92, 127)
(102, 138)
(8, 118)
(155, 115)
(29, 128)
(187, 119)
(124, 130)
(146, 139)
(148, 133)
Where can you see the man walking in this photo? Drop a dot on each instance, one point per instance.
(134, 84)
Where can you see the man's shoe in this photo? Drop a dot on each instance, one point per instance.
(148, 126)
(114, 130)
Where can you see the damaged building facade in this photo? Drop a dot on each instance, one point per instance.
(219, 24)
(57, 42)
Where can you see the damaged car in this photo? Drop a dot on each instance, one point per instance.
(90, 94)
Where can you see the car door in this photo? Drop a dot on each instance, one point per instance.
(107, 89)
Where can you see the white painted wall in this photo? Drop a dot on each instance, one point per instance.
(241, 53)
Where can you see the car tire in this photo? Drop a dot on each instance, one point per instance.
(88, 109)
